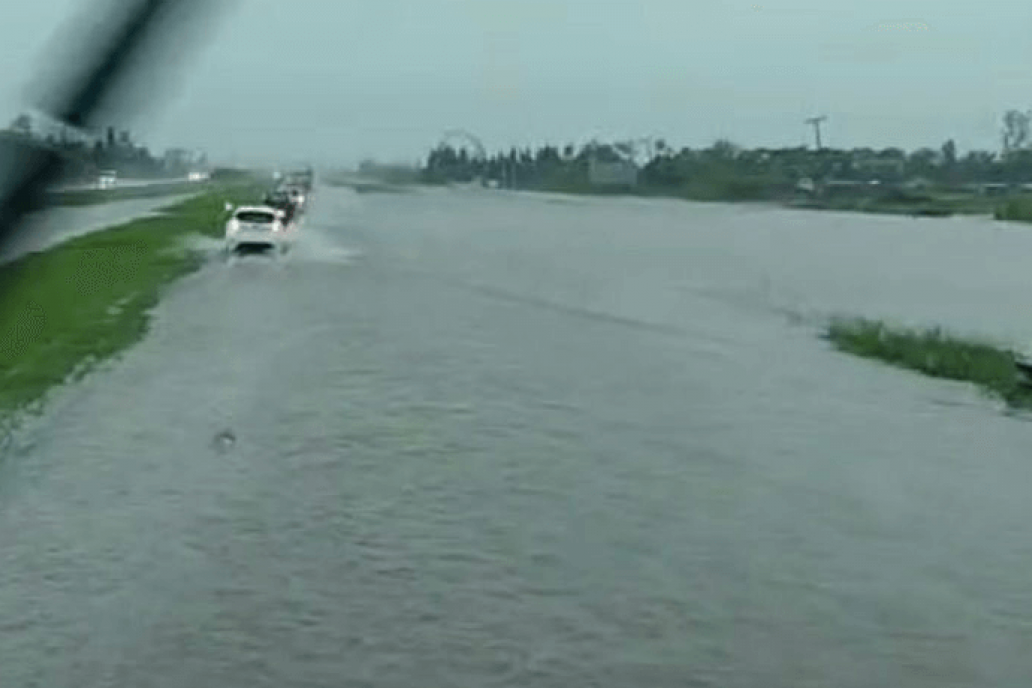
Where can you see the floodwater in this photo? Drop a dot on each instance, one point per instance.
(490, 439)
(61, 223)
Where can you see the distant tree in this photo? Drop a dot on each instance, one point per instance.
(1015, 133)
(110, 137)
(1015, 166)
(549, 154)
(950, 168)
(922, 162)
(949, 153)
(978, 166)
(722, 150)
(22, 124)
(603, 152)
(664, 171)
(625, 148)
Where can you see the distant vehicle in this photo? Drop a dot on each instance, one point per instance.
(197, 176)
(297, 195)
(256, 228)
(302, 179)
(282, 200)
(277, 199)
(107, 179)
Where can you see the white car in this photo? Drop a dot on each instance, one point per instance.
(107, 179)
(256, 228)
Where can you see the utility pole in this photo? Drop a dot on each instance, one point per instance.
(816, 123)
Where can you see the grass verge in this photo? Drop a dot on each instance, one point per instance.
(65, 309)
(937, 353)
(916, 206)
(1017, 209)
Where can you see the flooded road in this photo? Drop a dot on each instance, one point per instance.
(61, 223)
(473, 439)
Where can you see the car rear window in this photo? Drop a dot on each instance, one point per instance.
(257, 217)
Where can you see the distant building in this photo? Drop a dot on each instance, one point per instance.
(619, 173)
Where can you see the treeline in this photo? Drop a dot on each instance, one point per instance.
(112, 149)
(726, 170)
(724, 164)
(547, 167)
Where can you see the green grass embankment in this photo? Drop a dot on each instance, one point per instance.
(67, 308)
(914, 204)
(1018, 209)
(936, 353)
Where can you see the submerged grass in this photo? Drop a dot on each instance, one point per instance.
(65, 309)
(937, 353)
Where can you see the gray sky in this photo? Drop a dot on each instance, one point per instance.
(336, 80)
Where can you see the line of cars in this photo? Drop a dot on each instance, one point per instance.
(272, 225)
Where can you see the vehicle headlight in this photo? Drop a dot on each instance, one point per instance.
(233, 227)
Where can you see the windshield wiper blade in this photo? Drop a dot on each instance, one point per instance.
(33, 167)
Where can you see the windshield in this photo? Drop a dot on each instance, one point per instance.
(516, 344)
(255, 217)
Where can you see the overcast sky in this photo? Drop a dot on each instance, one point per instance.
(337, 80)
